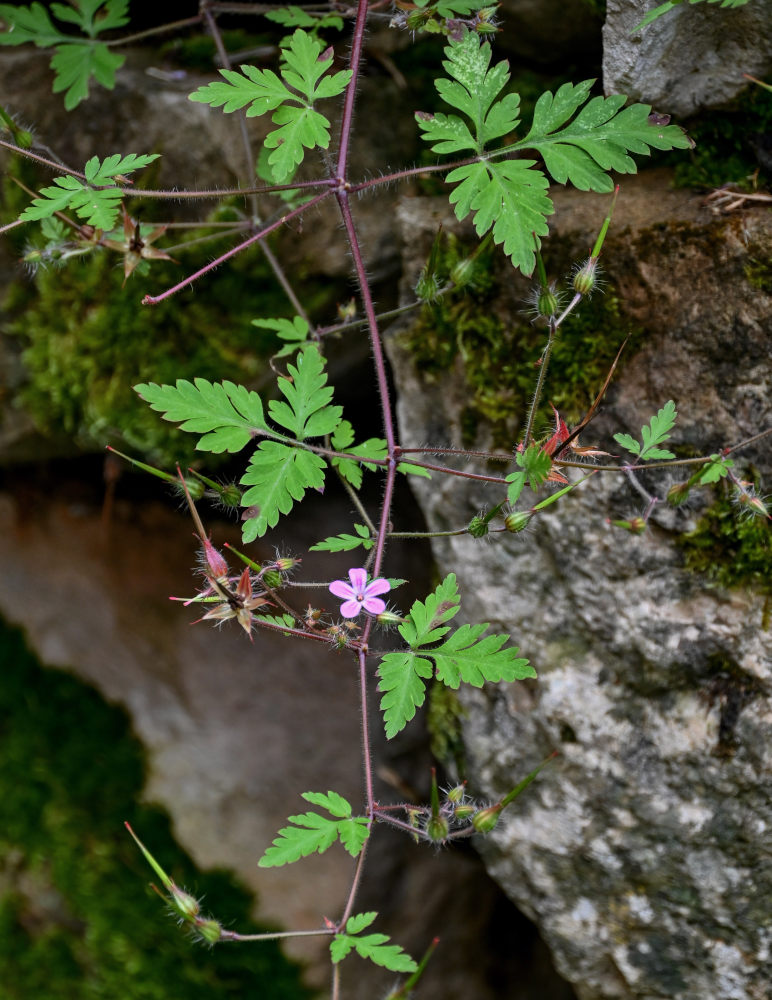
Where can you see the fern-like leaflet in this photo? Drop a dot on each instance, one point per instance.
(467, 655)
(291, 98)
(508, 197)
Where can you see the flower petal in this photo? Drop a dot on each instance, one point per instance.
(379, 586)
(373, 605)
(351, 609)
(341, 589)
(358, 579)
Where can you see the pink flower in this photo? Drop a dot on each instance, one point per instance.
(359, 594)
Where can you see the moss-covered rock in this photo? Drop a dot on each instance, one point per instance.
(77, 917)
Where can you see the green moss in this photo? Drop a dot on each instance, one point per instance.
(726, 141)
(759, 274)
(77, 917)
(443, 720)
(730, 549)
(87, 340)
(500, 348)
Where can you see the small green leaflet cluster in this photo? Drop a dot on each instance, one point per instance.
(345, 542)
(535, 465)
(717, 468)
(281, 469)
(291, 98)
(98, 201)
(508, 197)
(452, 8)
(664, 8)
(657, 431)
(296, 17)
(75, 60)
(463, 656)
(372, 946)
(312, 833)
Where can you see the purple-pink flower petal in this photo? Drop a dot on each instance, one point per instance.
(358, 579)
(350, 609)
(379, 586)
(359, 594)
(341, 589)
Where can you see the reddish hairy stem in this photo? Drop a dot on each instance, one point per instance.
(151, 300)
(351, 90)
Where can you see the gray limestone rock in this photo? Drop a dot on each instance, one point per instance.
(642, 853)
(689, 59)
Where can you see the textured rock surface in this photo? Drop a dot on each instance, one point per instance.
(642, 853)
(235, 732)
(688, 59)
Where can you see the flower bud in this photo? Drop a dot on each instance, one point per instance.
(209, 930)
(272, 579)
(547, 303)
(478, 527)
(678, 494)
(389, 618)
(464, 812)
(636, 525)
(586, 276)
(215, 564)
(745, 497)
(457, 793)
(230, 495)
(437, 829)
(196, 488)
(427, 287)
(286, 563)
(463, 272)
(517, 520)
(186, 905)
(486, 819)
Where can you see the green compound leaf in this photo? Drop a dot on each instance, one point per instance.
(230, 415)
(374, 947)
(508, 197)
(466, 656)
(306, 412)
(291, 98)
(598, 139)
(74, 60)
(294, 332)
(665, 8)
(718, 468)
(99, 205)
(351, 470)
(346, 543)
(656, 432)
(296, 17)
(313, 833)
(278, 475)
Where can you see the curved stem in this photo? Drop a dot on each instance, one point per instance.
(151, 300)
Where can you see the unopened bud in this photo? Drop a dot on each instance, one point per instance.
(547, 304)
(478, 527)
(678, 494)
(517, 520)
(463, 272)
(186, 905)
(427, 287)
(215, 564)
(272, 579)
(586, 277)
(196, 488)
(210, 930)
(230, 495)
(636, 525)
(464, 812)
(457, 793)
(437, 829)
(486, 819)
(389, 618)
(286, 563)
(750, 502)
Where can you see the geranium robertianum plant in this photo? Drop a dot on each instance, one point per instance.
(498, 169)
